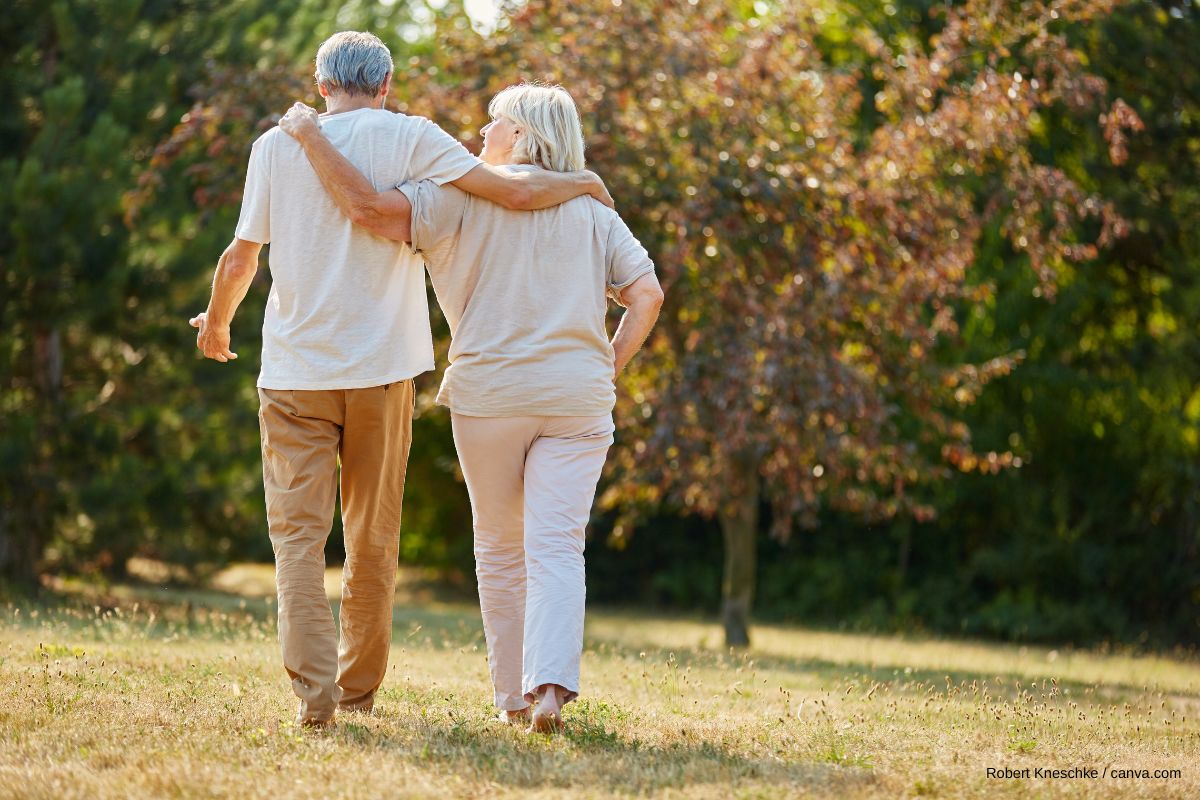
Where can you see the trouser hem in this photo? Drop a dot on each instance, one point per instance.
(531, 696)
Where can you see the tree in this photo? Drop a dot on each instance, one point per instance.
(105, 451)
(1096, 537)
(814, 251)
(815, 248)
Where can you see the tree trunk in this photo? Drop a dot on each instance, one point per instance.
(739, 526)
(48, 364)
(19, 554)
(904, 552)
(26, 529)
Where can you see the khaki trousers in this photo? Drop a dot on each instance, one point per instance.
(305, 434)
(532, 481)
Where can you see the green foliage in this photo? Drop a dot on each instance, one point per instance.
(117, 440)
(1066, 493)
(1097, 534)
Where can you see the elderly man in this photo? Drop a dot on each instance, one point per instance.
(346, 330)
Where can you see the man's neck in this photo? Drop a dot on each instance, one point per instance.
(341, 103)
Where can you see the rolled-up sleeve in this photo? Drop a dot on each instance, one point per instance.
(626, 258)
(437, 213)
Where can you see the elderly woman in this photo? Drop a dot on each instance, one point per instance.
(530, 384)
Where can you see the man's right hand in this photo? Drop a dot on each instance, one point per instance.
(212, 340)
(300, 122)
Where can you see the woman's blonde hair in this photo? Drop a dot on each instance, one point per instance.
(551, 134)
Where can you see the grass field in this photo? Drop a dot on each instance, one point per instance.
(154, 693)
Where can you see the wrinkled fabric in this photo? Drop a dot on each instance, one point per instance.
(347, 309)
(305, 435)
(532, 481)
(525, 295)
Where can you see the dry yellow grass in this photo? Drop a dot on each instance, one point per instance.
(162, 694)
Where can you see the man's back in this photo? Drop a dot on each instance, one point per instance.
(347, 309)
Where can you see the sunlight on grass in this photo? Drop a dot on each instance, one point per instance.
(164, 693)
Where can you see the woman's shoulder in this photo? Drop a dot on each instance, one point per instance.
(607, 219)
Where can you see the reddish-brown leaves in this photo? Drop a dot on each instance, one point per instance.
(816, 246)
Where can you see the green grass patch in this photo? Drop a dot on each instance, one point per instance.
(157, 693)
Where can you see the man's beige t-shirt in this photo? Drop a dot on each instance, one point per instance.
(347, 309)
(525, 293)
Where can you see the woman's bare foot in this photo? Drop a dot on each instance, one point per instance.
(547, 714)
(519, 717)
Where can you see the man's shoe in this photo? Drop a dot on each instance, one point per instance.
(318, 724)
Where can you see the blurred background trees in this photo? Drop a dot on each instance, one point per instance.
(895, 384)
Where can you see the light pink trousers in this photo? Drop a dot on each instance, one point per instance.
(532, 481)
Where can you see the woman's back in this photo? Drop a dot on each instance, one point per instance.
(525, 294)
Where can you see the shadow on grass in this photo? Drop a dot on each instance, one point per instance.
(595, 748)
(164, 611)
(898, 677)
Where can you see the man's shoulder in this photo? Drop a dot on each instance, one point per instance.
(382, 119)
(381, 127)
(415, 119)
(268, 138)
(277, 147)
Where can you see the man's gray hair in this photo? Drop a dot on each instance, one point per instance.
(353, 62)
